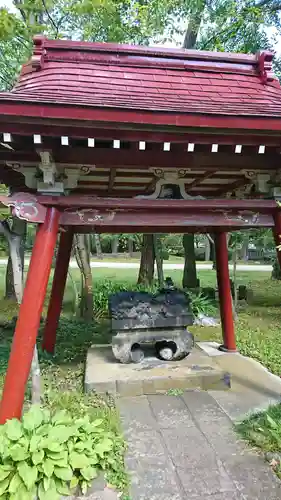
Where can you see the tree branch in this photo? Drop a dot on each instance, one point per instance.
(272, 6)
(6, 230)
(50, 17)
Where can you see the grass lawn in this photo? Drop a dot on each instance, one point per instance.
(263, 431)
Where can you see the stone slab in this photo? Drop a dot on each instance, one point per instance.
(245, 372)
(152, 376)
(182, 447)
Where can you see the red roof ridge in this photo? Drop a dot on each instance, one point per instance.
(156, 57)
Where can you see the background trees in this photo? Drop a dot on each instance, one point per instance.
(224, 25)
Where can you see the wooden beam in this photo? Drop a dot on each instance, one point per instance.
(145, 159)
(80, 201)
(181, 220)
(232, 187)
(12, 108)
(81, 130)
(199, 180)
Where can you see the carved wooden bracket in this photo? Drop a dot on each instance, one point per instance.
(167, 179)
(265, 66)
(25, 206)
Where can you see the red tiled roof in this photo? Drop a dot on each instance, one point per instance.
(148, 79)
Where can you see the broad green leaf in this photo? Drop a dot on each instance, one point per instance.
(43, 430)
(4, 444)
(28, 474)
(60, 463)
(93, 458)
(61, 487)
(13, 429)
(97, 422)
(46, 483)
(74, 482)
(78, 460)
(48, 467)
(15, 483)
(64, 473)
(82, 422)
(18, 453)
(61, 433)
(33, 418)
(38, 457)
(35, 442)
(4, 472)
(80, 446)
(70, 446)
(54, 446)
(4, 486)
(104, 446)
(46, 415)
(88, 473)
(51, 494)
(23, 494)
(61, 418)
(59, 459)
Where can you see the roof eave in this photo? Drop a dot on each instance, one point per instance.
(116, 116)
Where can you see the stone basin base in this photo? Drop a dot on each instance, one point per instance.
(169, 344)
(151, 376)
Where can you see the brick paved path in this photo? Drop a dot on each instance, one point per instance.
(184, 447)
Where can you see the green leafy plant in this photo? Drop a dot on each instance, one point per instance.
(202, 305)
(53, 454)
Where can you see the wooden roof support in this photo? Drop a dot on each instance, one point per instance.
(79, 201)
(199, 180)
(120, 158)
(232, 187)
(112, 176)
(50, 129)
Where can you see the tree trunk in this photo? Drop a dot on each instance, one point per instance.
(82, 253)
(212, 250)
(194, 25)
(245, 248)
(115, 245)
(16, 250)
(130, 246)
(207, 250)
(35, 378)
(98, 246)
(18, 234)
(146, 271)
(159, 261)
(276, 271)
(189, 279)
(234, 274)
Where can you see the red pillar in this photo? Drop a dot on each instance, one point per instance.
(59, 281)
(277, 234)
(225, 298)
(29, 318)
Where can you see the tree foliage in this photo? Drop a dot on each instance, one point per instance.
(224, 25)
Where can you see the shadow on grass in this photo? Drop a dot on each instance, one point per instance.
(74, 337)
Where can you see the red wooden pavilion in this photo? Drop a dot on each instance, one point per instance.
(114, 138)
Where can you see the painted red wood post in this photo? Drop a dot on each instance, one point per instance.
(224, 287)
(277, 233)
(29, 318)
(56, 299)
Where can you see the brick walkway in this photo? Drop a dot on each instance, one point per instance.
(185, 448)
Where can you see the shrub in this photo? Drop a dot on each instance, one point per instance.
(202, 305)
(51, 454)
(104, 288)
